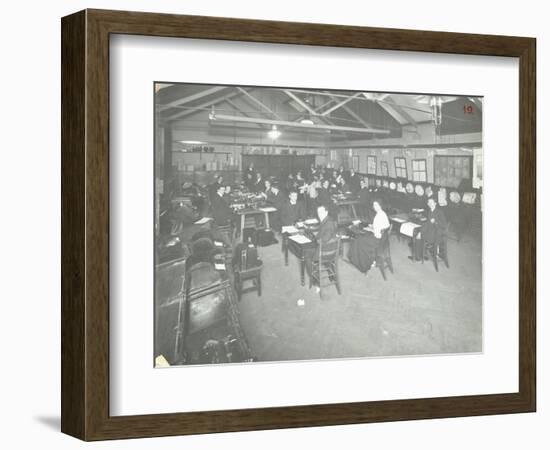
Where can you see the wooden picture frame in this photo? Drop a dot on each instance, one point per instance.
(85, 224)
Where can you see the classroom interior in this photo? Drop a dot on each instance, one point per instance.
(250, 287)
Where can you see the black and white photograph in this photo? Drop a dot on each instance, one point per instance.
(296, 224)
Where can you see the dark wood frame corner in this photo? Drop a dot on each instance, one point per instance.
(85, 224)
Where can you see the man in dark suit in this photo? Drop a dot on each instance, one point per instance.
(325, 237)
(275, 198)
(354, 181)
(432, 231)
(365, 199)
(292, 211)
(258, 185)
(250, 176)
(327, 226)
(221, 212)
(434, 228)
(213, 188)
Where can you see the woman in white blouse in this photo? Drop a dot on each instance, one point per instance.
(381, 221)
(362, 251)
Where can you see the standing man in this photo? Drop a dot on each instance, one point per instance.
(354, 181)
(432, 231)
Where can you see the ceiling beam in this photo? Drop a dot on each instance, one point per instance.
(299, 124)
(389, 105)
(258, 102)
(339, 105)
(356, 116)
(198, 108)
(190, 98)
(244, 113)
(303, 104)
(400, 110)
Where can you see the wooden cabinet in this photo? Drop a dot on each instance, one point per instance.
(278, 165)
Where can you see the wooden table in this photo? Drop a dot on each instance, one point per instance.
(264, 211)
(299, 250)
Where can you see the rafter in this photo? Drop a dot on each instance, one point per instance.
(339, 105)
(244, 113)
(197, 108)
(190, 98)
(223, 117)
(258, 102)
(356, 116)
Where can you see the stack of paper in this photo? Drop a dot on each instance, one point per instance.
(311, 221)
(218, 244)
(398, 219)
(408, 228)
(289, 229)
(300, 239)
(268, 209)
(203, 220)
(219, 266)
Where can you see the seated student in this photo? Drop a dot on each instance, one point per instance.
(267, 187)
(258, 185)
(292, 211)
(362, 252)
(341, 185)
(221, 212)
(227, 193)
(180, 216)
(432, 231)
(214, 186)
(327, 226)
(323, 194)
(274, 196)
(290, 183)
(324, 236)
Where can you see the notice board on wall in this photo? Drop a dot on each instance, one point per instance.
(453, 171)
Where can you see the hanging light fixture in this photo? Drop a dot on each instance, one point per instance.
(307, 120)
(274, 133)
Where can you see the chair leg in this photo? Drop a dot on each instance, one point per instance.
(390, 263)
(380, 264)
(434, 257)
(239, 288)
(259, 281)
(337, 283)
(445, 255)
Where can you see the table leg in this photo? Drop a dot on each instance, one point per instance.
(285, 249)
(302, 270)
(267, 221)
(242, 227)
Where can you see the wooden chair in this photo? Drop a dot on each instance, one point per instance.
(433, 250)
(383, 253)
(227, 231)
(324, 267)
(243, 273)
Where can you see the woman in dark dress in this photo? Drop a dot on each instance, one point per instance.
(362, 252)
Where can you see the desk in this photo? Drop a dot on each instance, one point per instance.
(300, 250)
(262, 212)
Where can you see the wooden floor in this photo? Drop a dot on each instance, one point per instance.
(416, 311)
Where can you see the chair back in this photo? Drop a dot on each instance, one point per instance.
(385, 240)
(328, 251)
